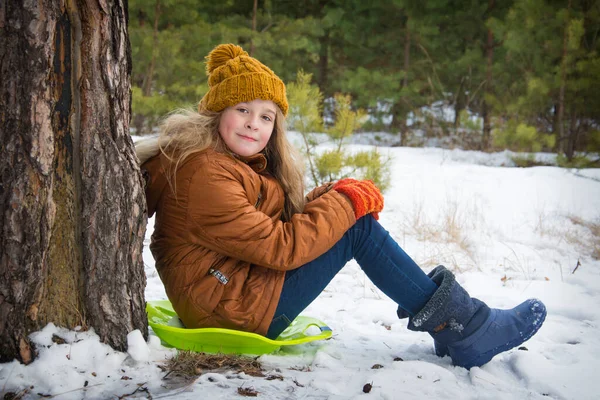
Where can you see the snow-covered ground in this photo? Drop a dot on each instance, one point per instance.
(508, 233)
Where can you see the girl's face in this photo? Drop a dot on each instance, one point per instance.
(247, 127)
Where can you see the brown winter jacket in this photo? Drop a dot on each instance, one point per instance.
(220, 247)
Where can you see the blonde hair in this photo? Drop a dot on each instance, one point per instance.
(186, 132)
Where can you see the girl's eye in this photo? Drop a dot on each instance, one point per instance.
(243, 110)
(267, 118)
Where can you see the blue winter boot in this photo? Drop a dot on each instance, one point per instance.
(467, 329)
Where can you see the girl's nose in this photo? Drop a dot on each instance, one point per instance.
(251, 123)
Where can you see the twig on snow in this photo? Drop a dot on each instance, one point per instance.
(577, 266)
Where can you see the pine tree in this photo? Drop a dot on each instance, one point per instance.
(550, 77)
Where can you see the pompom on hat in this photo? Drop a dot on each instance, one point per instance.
(235, 77)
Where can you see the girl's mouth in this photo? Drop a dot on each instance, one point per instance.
(248, 138)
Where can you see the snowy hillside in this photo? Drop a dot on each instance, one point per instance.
(507, 233)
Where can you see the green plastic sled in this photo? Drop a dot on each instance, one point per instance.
(227, 341)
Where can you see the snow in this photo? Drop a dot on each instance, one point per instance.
(509, 234)
(137, 348)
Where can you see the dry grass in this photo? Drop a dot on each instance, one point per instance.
(455, 224)
(583, 234)
(447, 255)
(188, 364)
(590, 243)
(518, 262)
(541, 227)
(447, 233)
(15, 395)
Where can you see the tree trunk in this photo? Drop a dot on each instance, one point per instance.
(403, 127)
(406, 54)
(563, 82)
(459, 103)
(485, 108)
(398, 111)
(555, 130)
(72, 214)
(139, 120)
(573, 136)
(254, 12)
(149, 77)
(323, 66)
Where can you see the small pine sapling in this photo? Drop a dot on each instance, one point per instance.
(335, 161)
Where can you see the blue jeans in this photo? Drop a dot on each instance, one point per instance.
(379, 256)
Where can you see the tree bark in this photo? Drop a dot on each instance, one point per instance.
(72, 218)
(398, 110)
(485, 108)
(254, 12)
(403, 125)
(563, 83)
(139, 120)
(557, 144)
(323, 65)
(573, 136)
(459, 103)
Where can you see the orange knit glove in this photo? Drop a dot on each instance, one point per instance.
(364, 195)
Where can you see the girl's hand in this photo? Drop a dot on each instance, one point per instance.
(364, 195)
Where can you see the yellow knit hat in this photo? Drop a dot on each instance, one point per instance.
(235, 77)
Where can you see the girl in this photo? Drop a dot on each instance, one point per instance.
(237, 245)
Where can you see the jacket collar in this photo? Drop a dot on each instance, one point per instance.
(258, 162)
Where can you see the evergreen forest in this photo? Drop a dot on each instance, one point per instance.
(522, 75)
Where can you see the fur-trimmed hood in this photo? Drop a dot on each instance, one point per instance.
(153, 165)
(146, 148)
